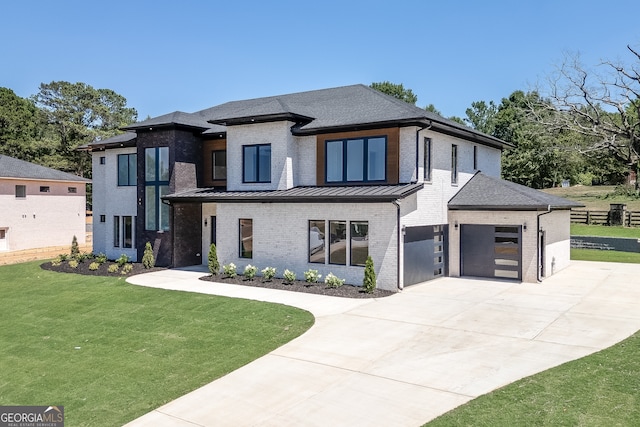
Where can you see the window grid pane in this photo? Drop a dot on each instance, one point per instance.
(454, 164)
(250, 164)
(116, 231)
(316, 242)
(246, 238)
(355, 160)
(427, 159)
(334, 161)
(264, 163)
(338, 242)
(219, 162)
(150, 208)
(359, 242)
(127, 229)
(376, 159)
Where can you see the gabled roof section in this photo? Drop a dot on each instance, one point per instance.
(193, 121)
(360, 194)
(11, 167)
(127, 139)
(483, 192)
(341, 108)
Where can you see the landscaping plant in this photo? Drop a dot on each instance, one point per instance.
(268, 273)
(289, 276)
(126, 269)
(94, 266)
(332, 281)
(312, 276)
(122, 260)
(250, 271)
(113, 268)
(73, 263)
(75, 249)
(230, 270)
(148, 260)
(213, 263)
(369, 281)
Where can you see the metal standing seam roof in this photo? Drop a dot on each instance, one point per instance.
(483, 192)
(126, 139)
(11, 167)
(342, 194)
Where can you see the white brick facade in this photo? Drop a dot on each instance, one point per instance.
(556, 225)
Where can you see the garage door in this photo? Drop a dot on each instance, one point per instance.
(491, 251)
(424, 250)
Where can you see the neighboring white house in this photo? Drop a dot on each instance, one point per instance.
(312, 180)
(39, 207)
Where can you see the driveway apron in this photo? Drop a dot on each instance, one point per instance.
(408, 358)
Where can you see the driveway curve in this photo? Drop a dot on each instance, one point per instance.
(405, 359)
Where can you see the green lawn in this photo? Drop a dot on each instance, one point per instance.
(605, 256)
(605, 231)
(110, 352)
(598, 390)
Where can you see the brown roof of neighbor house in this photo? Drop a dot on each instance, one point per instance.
(11, 167)
(483, 192)
(361, 194)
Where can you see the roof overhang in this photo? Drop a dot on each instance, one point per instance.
(266, 118)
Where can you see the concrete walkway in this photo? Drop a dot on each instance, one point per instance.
(405, 359)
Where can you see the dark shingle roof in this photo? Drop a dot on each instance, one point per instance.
(362, 194)
(177, 118)
(15, 168)
(483, 192)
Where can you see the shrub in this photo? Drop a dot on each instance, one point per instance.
(250, 271)
(84, 256)
(289, 276)
(122, 260)
(312, 276)
(148, 260)
(214, 264)
(269, 273)
(113, 268)
(369, 281)
(101, 258)
(94, 266)
(73, 263)
(332, 281)
(56, 262)
(229, 270)
(75, 249)
(126, 269)
(63, 257)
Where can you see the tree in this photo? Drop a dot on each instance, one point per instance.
(148, 260)
(432, 108)
(21, 127)
(601, 103)
(395, 90)
(481, 116)
(78, 114)
(212, 261)
(369, 281)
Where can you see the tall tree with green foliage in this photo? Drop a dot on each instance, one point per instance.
(78, 114)
(22, 127)
(395, 90)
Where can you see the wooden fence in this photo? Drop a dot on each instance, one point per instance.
(631, 219)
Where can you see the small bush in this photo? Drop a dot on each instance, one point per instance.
(369, 281)
(56, 262)
(73, 263)
(122, 260)
(213, 263)
(75, 249)
(312, 276)
(84, 256)
(250, 272)
(268, 273)
(100, 258)
(148, 260)
(113, 268)
(126, 269)
(63, 257)
(94, 266)
(289, 276)
(230, 270)
(332, 281)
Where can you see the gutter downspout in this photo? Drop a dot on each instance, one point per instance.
(427, 127)
(538, 231)
(397, 205)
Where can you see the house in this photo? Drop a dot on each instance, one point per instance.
(312, 180)
(39, 207)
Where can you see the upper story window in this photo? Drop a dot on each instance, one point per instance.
(427, 159)
(45, 189)
(156, 177)
(475, 157)
(103, 160)
(127, 169)
(219, 162)
(21, 191)
(72, 189)
(256, 163)
(454, 164)
(356, 160)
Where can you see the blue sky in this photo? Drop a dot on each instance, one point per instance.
(188, 55)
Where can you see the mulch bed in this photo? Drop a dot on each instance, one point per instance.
(344, 291)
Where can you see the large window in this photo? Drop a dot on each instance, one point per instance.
(356, 160)
(256, 161)
(246, 238)
(454, 164)
(316, 242)
(21, 191)
(359, 240)
(427, 159)
(156, 176)
(127, 169)
(338, 242)
(219, 165)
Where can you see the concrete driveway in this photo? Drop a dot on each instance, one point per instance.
(405, 359)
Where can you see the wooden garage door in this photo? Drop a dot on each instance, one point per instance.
(491, 251)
